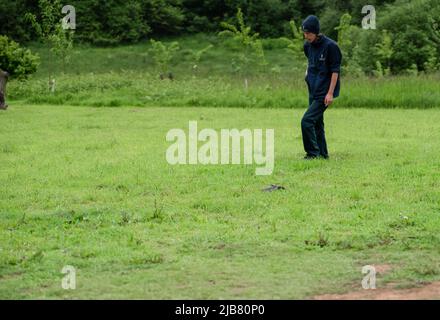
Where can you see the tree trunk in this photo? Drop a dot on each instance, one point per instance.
(3, 80)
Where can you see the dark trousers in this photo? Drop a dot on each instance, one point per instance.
(312, 125)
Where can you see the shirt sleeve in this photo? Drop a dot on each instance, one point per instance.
(334, 57)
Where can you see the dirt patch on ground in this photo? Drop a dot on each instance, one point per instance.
(429, 291)
(383, 268)
(10, 275)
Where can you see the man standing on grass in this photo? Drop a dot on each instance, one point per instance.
(322, 77)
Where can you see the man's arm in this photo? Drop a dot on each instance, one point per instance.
(334, 60)
(329, 97)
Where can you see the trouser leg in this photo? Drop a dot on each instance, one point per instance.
(320, 137)
(2, 101)
(3, 80)
(312, 117)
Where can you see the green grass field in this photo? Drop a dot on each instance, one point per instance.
(90, 187)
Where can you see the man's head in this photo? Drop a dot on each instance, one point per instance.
(311, 28)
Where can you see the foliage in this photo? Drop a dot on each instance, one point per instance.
(17, 61)
(411, 39)
(412, 26)
(251, 50)
(50, 31)
(295, 46)
(384, 52)
(62, 44)
(197, 56)
(163, 54)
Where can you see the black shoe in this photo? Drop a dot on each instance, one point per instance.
(310, 157)
(324, 157)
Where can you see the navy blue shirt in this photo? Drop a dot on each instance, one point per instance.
(324, 58)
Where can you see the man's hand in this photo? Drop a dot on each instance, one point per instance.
(328, 99)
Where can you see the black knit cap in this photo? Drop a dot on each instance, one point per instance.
(311, 24)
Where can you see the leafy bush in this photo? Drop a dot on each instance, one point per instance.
(295, 46)
(163, 55)
(406, 41)
(110, 22)
(18, 62)
(411, 24)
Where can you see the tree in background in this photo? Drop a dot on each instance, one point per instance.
(62, 44)
(197, 57)
(250, 47)
(384, 52)
(295, 46)
(413, 31)
(165, 17)
(15, 62)
(162, 55)
(413, 42)
(433, 63)
(111, 22)
(344, 34)
(348, 35)
(50, 31)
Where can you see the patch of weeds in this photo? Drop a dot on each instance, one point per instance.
(239, 193)
(84, 254)
(158, 211)
(36, 257)
(73, 218)
(321, 242)
(134, 241)
(91, 126)
(20, 222)
(402, 222)
(126, 218)
(152, 258)
(430, 268)
(11, 261)
(274, 226)
(218, 246)
(200, 206)
(382, 239)
(344, 245)
(386, 240)
(355, 196)
(122, 188)
(7, 148)
(406, 244)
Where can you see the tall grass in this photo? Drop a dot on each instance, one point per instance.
(144, 89)
(126, 75)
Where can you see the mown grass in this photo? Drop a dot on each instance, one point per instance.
(90, 187)
(126, 75)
